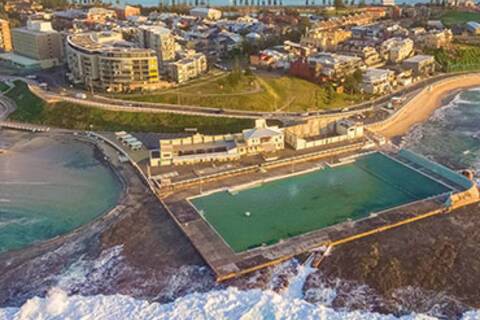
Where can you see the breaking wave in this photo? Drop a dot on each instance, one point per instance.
(230, 303)
(283, 298)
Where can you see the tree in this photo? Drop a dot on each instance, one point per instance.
(339, 4)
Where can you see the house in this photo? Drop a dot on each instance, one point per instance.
(206, 13)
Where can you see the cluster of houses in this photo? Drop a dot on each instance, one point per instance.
(386, 53)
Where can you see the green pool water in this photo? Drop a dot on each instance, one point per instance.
(297, 205)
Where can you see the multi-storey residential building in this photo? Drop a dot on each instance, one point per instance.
(99, 15)
(435, 38)
(334, 66)
(106, 62)
(421, 65)
(396, 50)
(127, 11)
(5, 36)
(188, 68)
(377, 81)
(40, 42)
(160, 40)
(323, 39)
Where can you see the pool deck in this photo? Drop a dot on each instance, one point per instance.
(228, 264)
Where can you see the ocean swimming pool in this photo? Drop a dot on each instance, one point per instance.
(281, 209)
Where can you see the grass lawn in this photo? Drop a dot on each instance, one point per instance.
(258, 93)
(458, 58)
(4, 87)
(32, 109)
(452, 17)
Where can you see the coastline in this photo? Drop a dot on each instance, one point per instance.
(420, 108)
(136, 226)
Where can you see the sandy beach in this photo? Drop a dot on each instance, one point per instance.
(421, 107)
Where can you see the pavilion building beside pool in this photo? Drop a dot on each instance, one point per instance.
(208, 148)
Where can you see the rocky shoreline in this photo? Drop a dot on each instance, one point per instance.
(137, 250)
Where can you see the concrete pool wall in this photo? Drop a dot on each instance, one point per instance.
(226, 263)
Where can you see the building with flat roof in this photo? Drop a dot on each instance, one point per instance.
(99, 15)
(421, 65)
(187, 68)
(40, 42)
(396, 50)
(334, 66)
(127, 11)
(377, 81)
(324, 39)
(206, 13)
(205, 148)
(321, 132)
(159, 39)
(5, 36)
(107, 62)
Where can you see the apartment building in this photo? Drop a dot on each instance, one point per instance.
(395, 50)
(127, 11)
(324, 39)
(377, 81)
(421, 65)
(334, 66)
(5, 36)
(187, 68)
(160, 40)
(105, 61)
(435, 39)
(40, 42)
(99, 15)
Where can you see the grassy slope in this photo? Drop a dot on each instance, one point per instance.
(452, 17)
(277, 93)
(65, 115)
(458, 58)
(3, 87)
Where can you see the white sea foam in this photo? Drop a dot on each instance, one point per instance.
(230, 303)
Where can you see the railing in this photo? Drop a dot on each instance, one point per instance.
(437, 168)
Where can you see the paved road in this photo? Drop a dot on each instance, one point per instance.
(97, 101)
(7, 106)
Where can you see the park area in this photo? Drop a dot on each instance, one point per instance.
(453, 17)
(253, 92)
(32, 109)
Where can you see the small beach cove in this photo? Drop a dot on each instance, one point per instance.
(421, 107)
(51, 185)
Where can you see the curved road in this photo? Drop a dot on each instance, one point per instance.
(7, 106)
(97, 101)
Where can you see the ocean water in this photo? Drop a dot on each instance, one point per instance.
(152, 3)
(452, 136)
(49, 187)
